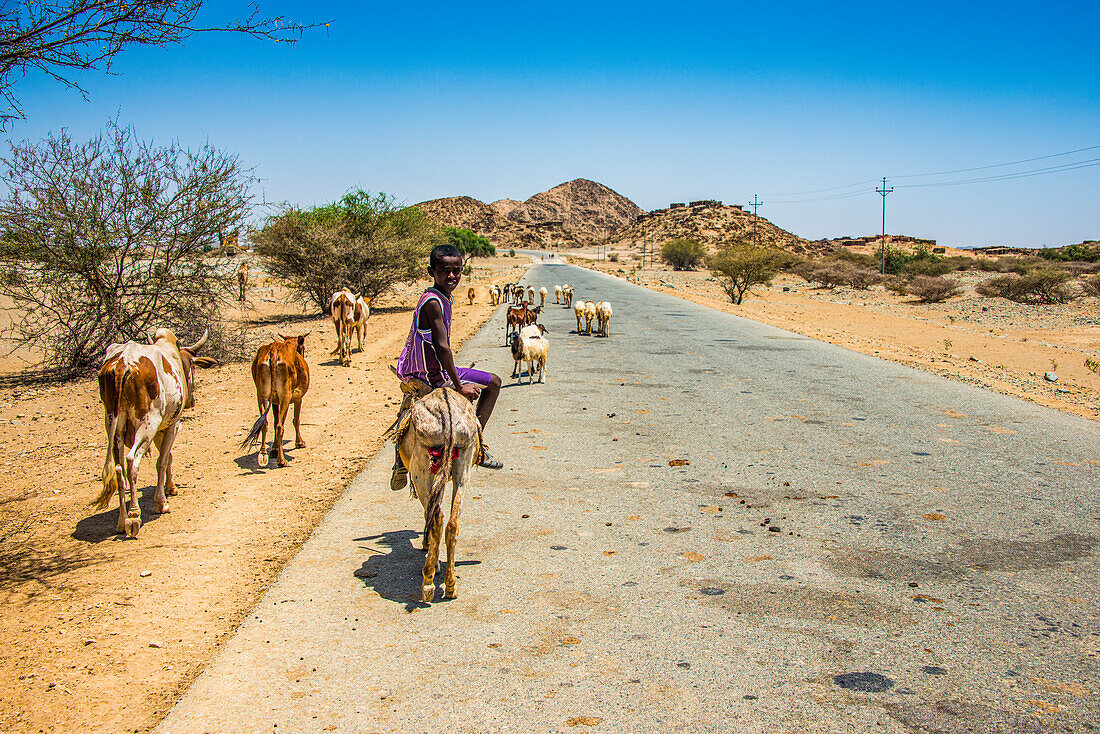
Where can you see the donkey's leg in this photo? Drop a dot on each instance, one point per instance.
(458, 483)
(433, 532)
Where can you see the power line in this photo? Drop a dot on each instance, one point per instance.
(842, 194)
(1010, 176)
(999, 165)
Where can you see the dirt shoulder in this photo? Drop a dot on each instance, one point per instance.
(102, 634)
(990, 342)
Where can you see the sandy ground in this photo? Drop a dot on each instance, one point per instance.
(102, 634)
(990, 342)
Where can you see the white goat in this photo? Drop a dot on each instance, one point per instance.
(542, 297)
(589, 316)
(557, 294)
(578, 309)
(530, 346)
(603, 318)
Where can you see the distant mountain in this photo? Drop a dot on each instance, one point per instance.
(588, 209)
(573, 214)
(710, 223)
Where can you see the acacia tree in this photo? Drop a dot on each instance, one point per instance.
(60, 39)
(363, 242)
(740, 267)
(102, 242)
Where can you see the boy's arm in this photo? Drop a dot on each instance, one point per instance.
(441, 342)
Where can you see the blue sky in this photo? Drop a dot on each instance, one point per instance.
(660, 101)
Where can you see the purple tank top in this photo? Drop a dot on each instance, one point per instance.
(418, 358)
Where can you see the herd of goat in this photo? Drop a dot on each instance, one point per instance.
(527, 337)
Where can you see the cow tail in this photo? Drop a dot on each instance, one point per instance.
(111, 470)
(261, 422)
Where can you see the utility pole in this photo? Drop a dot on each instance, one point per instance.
(755, 204)
(884, 191)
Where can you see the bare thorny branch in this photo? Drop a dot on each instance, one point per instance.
(102, 241)
(59, 38)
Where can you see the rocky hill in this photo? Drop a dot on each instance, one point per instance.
(586, 209)
(711, 223)
(573, 214)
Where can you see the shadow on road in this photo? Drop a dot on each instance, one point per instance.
(101, 526)
(395, 575)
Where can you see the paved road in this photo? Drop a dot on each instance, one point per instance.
(852, 546)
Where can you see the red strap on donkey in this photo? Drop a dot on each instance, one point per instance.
(437, 458)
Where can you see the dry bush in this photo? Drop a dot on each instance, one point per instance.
(1045, 285)
(927, 267)
(932, 288)
(104, 239)
(961, 262)
(858, 258)
(898, 285)
(1091, 286)
(832, 273)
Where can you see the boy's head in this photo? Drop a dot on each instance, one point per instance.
(445, 266)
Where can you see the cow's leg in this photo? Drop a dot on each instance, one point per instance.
(280, 419)
(360, 329)
(163, 442)
(119, 449)
(434, 532)
(142, 441)
(298, 442)
(450, 580)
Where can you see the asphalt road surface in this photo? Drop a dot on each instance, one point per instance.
(704, 525)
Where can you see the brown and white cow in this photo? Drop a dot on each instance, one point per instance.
(347, 311)
(281, 376)
(242, 280)
(144, 389)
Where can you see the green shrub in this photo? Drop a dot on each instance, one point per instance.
(683, 254)
(511, 253)
(1045, 285)
(932, 289)
(362, 242)
(741, 267)
(613, 257)
(1073, 253)
(469, 243)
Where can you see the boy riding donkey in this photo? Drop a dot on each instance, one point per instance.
(427, 353)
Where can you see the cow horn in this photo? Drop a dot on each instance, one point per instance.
(194, 348)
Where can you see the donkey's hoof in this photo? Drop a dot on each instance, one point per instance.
(428, 593)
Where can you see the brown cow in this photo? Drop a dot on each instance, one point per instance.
(281, 376)
(242, 280)
(144, 389)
